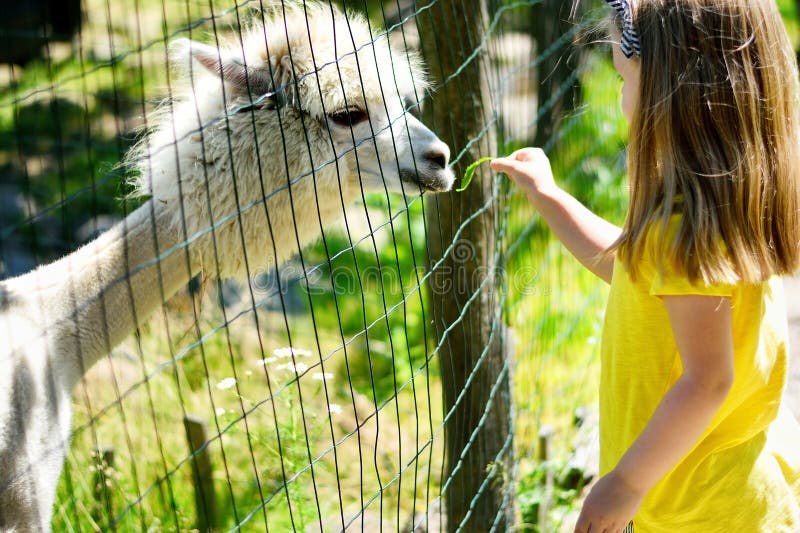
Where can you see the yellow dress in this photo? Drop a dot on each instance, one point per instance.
(744, 473)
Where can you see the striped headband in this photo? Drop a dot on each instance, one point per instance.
(629, 44)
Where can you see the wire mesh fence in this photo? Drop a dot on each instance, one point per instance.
(280, 317)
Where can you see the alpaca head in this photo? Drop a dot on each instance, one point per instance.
(303, 113)
(349, 85)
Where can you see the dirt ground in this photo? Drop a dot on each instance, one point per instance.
(792, 396)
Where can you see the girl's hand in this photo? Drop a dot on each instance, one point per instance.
(530, 169)
(611, 505)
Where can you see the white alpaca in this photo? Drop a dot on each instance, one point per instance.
(247, 171)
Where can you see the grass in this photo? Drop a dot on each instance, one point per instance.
(288, 438)
(251, 412)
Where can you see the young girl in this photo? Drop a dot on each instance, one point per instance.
(694, 351)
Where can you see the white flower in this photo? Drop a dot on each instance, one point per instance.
(591, 340)
(320, 376)
(248, 373)
(288, 351)
(220, 411)
(265, 362)
(299, 368)
(335, 409)
(226, 383)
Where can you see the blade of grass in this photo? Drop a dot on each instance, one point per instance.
(470, 172)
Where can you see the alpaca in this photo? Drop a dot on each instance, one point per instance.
(266, 144)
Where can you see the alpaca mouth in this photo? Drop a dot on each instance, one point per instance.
(437, 182)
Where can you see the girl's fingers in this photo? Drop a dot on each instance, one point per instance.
(526, 154)
(498, 165)
(506, 165)
(519, 155)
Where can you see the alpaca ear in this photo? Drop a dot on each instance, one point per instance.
(255, 81)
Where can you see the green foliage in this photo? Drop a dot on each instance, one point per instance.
(62, 148)
(546, 495)
(470, 173)
(374, 294)
(788, 10)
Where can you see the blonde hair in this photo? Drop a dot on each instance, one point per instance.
(715, 139)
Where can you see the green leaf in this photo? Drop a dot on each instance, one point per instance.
(470, 172)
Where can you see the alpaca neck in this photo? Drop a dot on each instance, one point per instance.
(94, 298)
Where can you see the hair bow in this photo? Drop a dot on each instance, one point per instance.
(629, 44)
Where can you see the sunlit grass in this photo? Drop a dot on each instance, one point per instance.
(266, 427)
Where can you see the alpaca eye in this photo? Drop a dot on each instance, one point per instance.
(411, 106)
(348, 117)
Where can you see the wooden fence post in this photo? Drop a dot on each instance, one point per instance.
(103, 511)
(475, 373)
(202, 474)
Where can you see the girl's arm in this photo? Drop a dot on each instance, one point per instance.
(584, 234)
(702, 330)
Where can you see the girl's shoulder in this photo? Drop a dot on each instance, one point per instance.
(667, 273)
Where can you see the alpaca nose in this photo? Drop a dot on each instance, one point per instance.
(438, 156)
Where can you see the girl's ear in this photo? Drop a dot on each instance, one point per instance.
(254, 82)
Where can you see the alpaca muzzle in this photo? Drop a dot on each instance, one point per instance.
(440, 180)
